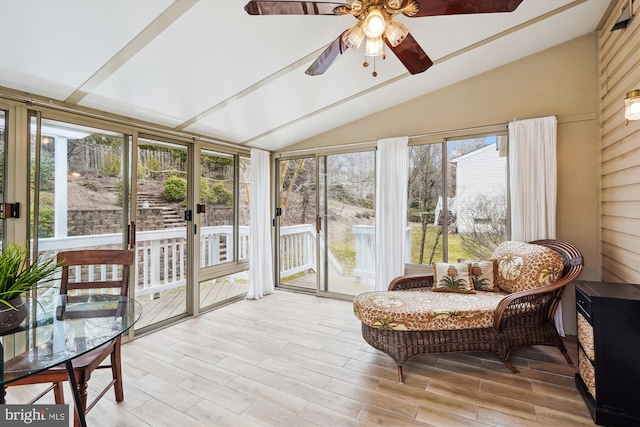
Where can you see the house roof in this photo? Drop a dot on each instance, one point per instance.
(208, 68)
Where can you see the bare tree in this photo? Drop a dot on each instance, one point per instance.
(425, 184)
(484, 224)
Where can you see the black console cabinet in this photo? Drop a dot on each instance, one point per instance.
(609, 351)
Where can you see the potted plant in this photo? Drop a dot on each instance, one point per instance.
(18, 276)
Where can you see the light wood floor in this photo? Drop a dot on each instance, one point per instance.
(298, 360)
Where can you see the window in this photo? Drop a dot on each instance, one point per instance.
(457, 195)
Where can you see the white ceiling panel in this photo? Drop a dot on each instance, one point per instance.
(532, 39)
(211, 53)
(443, 35)
(50, 48)
(207, 67)
(287, 100)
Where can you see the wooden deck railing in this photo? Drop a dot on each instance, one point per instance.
(160, 256)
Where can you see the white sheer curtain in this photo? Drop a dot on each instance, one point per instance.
(260, 258)
(533, 183)
(391, 209)
(532, 178)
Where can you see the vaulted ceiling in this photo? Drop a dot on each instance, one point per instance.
(209, 68)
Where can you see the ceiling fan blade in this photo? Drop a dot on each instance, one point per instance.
(411, 55)
(328, 57)
(456, 7)
(290, 8)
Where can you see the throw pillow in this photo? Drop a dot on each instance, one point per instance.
(484, 274)
(524, 266)
(451, 277)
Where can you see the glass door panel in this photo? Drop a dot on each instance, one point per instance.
(217, 213)
(3, 151)
(77, 185)
(297, 223)
(215, 208)
(162, 255)
(347, 203)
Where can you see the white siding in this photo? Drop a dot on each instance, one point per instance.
(482, 173)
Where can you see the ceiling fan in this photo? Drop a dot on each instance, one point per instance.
(376, 25)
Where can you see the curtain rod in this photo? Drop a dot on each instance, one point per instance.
(362, 144)
(444, 132)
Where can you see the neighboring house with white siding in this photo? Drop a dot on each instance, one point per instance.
(481, 196)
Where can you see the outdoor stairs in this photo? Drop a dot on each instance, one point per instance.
(172, 216)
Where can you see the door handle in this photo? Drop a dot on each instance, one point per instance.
(132, 235)
(10, 210)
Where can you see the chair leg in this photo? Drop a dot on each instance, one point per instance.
(82, 390)
(567, 357)
(564, 351)
(116, 372)
(510, 366)
(400, 375)
(58, 393)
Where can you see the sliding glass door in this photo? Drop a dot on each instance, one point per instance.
(163, 230)
(347, 236)
(326, 223)
(222, 246)
(296, 217)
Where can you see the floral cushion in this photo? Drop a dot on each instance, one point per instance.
(524, 266)
(484, 274)
(426, 310)
(450, 277)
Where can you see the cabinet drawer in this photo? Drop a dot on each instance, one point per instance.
(585, 336)
(583, 304)
(587, 372)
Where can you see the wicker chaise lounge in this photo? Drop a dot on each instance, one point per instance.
(407, 324)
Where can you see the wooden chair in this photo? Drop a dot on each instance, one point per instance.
(87, 363)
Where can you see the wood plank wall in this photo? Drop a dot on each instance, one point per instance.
(619, 69)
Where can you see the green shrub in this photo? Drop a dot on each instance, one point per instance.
(111, 164)
(92, 184)
(119, 190)
(47, 171)
(207, 196)
(223, 196)
(175, 189)
(46, 215)
(153, 166)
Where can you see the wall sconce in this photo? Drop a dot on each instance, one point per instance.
(632, 105)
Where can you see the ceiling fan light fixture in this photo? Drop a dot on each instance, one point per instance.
(395, 32)
(374, 46)
(353, 38)
(632, 105)
(374, 24)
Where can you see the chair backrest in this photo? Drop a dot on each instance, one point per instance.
(97, 271)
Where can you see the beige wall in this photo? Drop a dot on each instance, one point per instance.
(560, 81)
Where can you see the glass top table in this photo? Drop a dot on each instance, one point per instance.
(60, 328)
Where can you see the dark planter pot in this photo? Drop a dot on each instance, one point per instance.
(11, 318)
